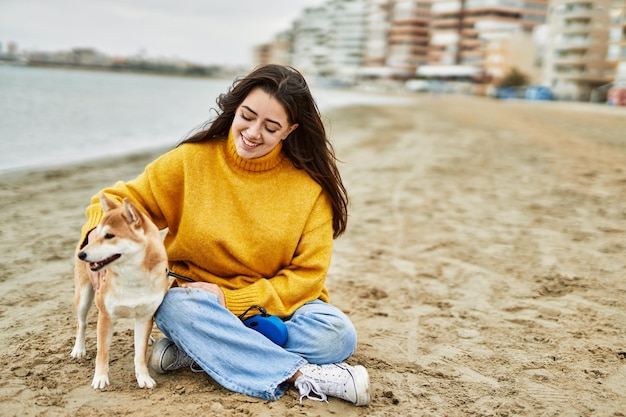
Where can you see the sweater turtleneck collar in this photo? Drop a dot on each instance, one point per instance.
(263, 163)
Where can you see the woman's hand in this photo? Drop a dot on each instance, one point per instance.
(212, 288)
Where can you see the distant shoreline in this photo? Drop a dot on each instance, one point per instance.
(218, 75)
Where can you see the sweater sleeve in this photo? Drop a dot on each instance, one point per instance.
(303, 280)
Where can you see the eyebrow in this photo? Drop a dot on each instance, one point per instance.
(255, 113)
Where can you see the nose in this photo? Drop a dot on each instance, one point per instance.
(254, 131)
(82, 255)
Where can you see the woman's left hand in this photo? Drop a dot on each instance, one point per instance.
(212, 288)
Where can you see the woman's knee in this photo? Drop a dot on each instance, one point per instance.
(321, 333)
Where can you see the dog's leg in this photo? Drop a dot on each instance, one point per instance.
(143, 327)
(105, 333)
(83, 298)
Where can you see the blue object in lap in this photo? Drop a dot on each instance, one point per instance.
(269, 326)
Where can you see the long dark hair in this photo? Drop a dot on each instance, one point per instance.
(307, 146)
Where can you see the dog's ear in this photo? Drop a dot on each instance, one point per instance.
(106, 202)
(130, 212)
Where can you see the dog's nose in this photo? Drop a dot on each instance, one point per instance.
(82, 256)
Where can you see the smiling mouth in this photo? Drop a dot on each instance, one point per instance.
(96, 266)
(249, 144)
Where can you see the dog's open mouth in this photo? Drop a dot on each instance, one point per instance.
(96, 266)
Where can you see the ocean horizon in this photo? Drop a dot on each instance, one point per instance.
(54, 117)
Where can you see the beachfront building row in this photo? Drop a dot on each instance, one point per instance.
(348, 39)
(586, 42)
(568, 45)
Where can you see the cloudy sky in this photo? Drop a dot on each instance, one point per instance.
(201, 31)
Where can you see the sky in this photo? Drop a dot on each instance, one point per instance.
(220, 32)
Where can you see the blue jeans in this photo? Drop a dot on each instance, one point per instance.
(243, 360)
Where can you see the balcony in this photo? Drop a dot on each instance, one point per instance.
(411, 21)
(407, 40)
(578, 28)
(412, 49)
(471, 43)
(477, 61)
(469, 32)
(582, 76)
(408, 32)
(578, 13)
(445, 22)
(571, 60)
(572, 44)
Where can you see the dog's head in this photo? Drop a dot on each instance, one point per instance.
(121, 234)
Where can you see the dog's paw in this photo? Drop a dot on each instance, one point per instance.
(78, 352)
(100, 381)
(145, 381)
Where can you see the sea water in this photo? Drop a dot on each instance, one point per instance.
(50, 117)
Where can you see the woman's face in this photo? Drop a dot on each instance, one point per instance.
(259, 125)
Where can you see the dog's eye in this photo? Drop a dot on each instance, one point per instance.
(109, 236)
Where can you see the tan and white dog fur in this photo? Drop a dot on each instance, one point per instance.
(128, 246)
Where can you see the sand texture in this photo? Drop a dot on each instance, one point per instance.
(484, 268)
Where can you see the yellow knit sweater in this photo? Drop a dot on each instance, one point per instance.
(259, 228)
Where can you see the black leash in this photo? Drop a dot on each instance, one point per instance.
(175, 275)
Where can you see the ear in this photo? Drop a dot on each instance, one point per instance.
(291, 129)
(130, 212)
(106, 203)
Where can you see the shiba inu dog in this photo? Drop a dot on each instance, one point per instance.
(129, 248)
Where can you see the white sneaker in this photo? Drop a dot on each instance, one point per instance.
(350, 383)
(166, 356)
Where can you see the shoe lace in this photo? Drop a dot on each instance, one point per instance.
(182, 361)
(321, 382)
(307, 385)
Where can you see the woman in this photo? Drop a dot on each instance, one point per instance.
(251, 206)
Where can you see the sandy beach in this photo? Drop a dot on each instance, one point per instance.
(484, 268)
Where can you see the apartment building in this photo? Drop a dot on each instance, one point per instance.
(450, 37)
(460, 29)
(329, 41)
(584, 46)
(409, 36)
(575, 62)
(276, 52)
(397, 37)
(310, 34)
(616, 50)
(378, 25)
(346, 37)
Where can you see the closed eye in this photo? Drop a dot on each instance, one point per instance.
(249, 119)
